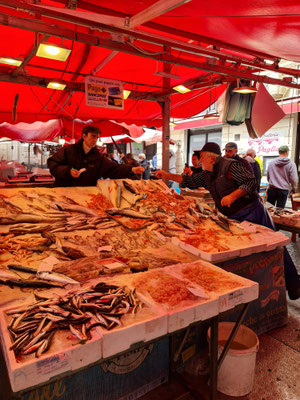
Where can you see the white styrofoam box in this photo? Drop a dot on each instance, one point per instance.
(218, 256)
(247, 251)
(31, 371)
(181, 317)
(227, 298)
(121, 338)
(148, 324)
(275, 240)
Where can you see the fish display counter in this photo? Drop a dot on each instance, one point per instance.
(110, 266)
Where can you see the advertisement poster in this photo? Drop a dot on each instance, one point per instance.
(105, 93)
(268, 144)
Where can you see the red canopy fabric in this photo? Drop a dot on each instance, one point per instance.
(253, 30)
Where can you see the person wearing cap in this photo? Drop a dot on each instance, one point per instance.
(145, 164)
(231, 151)
(81, 164)
(282, 177)
(233, 188)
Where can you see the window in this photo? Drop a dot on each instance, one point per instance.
(237, 137)
(198, 137)
(266, 162)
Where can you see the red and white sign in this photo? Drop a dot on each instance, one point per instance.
(268, 144)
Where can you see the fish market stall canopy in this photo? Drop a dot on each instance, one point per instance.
(152, 47)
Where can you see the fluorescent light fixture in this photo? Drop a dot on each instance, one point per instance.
(53, 52)
(126, 94)
(56, 85)
(61, 141)
(181, 89)
(245, 89)
(11, 61)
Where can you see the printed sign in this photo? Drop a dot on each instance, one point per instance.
(268, 144)
(105, 93)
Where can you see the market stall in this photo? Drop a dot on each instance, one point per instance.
(70, 299)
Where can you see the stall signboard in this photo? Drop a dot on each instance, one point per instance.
(104, 93)
(269, 311)
(268, 144)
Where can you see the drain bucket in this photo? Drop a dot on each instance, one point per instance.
(236, 375)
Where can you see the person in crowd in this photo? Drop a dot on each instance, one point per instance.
(111, 157)
(145, 164)
(81, 164)
(196, 165)
(154, 162)
(250, 157)
(231, 151)
(282, 177)
(129, 160)
(172, 162)
(252, 153)
(233, 188)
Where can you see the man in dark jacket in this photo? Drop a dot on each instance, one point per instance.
(231, 151)
(81, 164)
(233, 188)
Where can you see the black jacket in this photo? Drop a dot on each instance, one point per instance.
(219, 185)
(97, 166)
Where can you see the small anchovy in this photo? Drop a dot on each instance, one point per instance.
(45, 346)
(77, 333)
(115, 320)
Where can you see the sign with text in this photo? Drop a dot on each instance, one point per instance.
(268, 144)
(104, 93)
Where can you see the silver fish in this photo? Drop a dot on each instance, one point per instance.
(127, 212)
(73, 208)
(55, 277)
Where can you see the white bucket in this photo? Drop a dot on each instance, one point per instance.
(236, 374)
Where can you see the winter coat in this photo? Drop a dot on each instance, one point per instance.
(146, 165)
(97, 166)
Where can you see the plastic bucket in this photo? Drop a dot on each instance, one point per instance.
(236, 375)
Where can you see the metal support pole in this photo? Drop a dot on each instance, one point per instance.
(213, 358)
(232, 335)
(166, 111)
(297, 143)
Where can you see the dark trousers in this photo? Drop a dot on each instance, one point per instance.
(277, 197)
(258, 214)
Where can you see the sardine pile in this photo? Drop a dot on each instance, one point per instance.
(32, 328)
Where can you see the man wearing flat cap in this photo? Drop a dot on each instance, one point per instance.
(282, 177)
(233, 188)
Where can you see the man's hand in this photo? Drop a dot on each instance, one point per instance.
(74, 173)
(187, 171)
(227, 200)
(160, 174)
(138, 170)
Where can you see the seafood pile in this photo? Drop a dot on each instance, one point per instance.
(164, 288)
(209, 279)
(32, 328)
(284, 216)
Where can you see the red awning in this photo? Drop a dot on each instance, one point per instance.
(204, 44)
